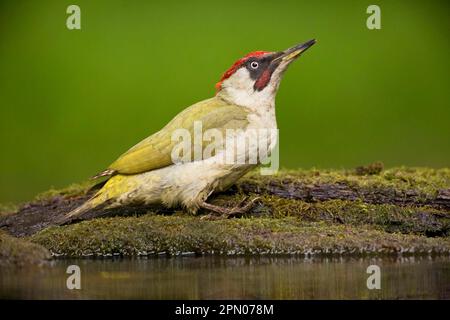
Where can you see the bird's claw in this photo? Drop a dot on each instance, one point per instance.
(226, 213)
(241, 209)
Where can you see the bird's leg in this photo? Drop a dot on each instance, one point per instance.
(229, 212)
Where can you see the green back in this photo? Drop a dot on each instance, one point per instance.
(155, 151)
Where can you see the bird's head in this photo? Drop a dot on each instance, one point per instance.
(253, 80)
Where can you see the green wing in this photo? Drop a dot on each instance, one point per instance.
(155, 151)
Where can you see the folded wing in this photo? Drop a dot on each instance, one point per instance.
(155, 151)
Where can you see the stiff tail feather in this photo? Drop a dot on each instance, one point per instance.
(100, 199)
(105, 198)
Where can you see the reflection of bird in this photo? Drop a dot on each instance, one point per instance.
(146, 173)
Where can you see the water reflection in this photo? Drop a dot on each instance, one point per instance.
(232, 278)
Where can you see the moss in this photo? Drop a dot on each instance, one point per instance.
(277, 224)
(7, 209)
(391, 218)
(373, 168)
(425, 181)
(18, 252)
(173, 235)
(75, 189)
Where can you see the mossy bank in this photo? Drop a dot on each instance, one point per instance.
(367, 211)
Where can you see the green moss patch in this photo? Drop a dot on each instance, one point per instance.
(368, 210)
(18, 252)
(391, 218)
(426, 182)
(174, 235)
(73, 190)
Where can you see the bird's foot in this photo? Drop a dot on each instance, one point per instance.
(226, 213)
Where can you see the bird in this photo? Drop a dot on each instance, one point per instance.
(147, 173)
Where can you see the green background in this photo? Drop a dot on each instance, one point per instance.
(72, 101)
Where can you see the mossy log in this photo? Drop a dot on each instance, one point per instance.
(367, 210)
(19, 252)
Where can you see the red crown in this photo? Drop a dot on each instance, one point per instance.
(237, 65)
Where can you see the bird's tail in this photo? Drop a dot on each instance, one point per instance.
(80, 211)
(103, 199)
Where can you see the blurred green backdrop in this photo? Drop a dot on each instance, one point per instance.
(72, 101)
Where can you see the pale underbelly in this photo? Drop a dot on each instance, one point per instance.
(185, 184)
(189, 184)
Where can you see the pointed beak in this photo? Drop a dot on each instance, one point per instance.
(279, 62)
(294, 52)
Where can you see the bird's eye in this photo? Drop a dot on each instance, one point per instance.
(254, 65)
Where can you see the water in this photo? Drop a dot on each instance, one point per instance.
(232, 278)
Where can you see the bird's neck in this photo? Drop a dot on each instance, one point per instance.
(261, 111)
(261, 102)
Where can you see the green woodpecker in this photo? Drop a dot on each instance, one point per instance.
(146, 173)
